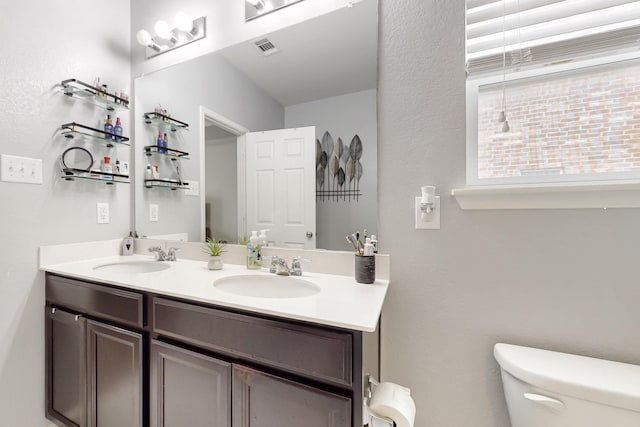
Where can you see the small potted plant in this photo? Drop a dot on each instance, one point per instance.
(215, 248)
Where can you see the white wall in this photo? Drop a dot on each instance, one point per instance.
(221, 159)
(65, 39)
(344, 116)
(559, 279)
(225, 25)
(209, 81)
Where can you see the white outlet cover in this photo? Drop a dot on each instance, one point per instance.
(432, 220)
(102, 213)
(193, 189)
(153, 213)
(20, 169)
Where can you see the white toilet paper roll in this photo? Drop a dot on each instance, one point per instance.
(394, 402)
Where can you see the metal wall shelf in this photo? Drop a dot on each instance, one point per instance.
(73, 130)
(165, 122)
(171, 153)
(71, 174)
(170, 184)
(84, 91)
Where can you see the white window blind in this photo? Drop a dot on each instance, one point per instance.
(540, 32)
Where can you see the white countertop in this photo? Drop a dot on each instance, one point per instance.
(341, 301)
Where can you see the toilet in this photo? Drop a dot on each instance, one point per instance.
(550, 389)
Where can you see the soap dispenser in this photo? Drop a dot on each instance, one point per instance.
(262, 238)
(254, 256)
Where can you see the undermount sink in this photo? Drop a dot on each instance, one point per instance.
(272, 286)
(133, 267)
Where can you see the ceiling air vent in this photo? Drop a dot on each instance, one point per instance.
(266, 47)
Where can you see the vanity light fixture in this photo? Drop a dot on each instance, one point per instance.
(186, 31)
(256, 8)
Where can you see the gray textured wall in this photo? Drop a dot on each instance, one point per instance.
(559, 279)
(65, 39)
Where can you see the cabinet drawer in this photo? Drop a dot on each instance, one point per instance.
(109, 303)
(302, 349)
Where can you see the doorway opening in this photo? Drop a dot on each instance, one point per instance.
(222, 177)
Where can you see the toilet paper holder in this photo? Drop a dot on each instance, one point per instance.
(369, 418)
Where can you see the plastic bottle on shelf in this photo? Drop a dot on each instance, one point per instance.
(148, 174)
(106, 167)
(165, 143)
(108, 127)
(117, 129)
(159, 142)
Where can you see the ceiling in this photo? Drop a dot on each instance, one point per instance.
(327, 56)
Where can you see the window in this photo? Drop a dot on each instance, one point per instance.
(567, 75)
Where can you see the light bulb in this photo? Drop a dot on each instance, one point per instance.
(144, 38)
(162, 30)
(505, 126)
(258, 4)
(183, 22)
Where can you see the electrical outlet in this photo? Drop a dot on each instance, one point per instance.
(102, 213)
(428, 221)
(21, 169)
(153, 213)
(193, 189)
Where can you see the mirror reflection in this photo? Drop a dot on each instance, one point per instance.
(282, 136)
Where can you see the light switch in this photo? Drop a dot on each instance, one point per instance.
(193, 189)
(102, 213)
(21, 169)
(153, 213)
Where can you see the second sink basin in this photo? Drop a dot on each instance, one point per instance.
(272, 286)
(133, 267)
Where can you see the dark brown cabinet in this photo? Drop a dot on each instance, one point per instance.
(114, 376)
(263, 400)
(188, 388)
(95, 375)
(120, 358)
(66, 366)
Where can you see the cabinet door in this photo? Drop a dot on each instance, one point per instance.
(66, 366)
(263, 400)
(188, 389)
(114, 368)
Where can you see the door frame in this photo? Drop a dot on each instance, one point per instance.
(240, 131)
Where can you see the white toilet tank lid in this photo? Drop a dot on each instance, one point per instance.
(612, 383)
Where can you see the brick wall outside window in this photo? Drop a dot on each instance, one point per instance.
(584, 122)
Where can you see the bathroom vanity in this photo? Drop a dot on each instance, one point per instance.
(122, 355)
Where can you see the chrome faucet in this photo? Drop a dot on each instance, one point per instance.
(296, 268)
(279, 266)
(161, 255)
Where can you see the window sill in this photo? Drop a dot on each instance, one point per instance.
(587, 195)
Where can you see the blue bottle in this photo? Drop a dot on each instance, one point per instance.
(159, 142)
(165, 144)
(117, 129)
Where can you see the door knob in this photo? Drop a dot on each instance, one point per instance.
(309, 234)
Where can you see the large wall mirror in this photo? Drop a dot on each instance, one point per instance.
(304, 94)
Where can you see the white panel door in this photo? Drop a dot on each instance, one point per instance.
(281, 186)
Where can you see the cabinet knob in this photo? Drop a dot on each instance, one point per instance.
(309, 234)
